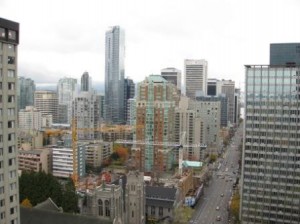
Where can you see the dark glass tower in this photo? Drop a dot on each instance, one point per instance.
(114, 76)
(285, 54)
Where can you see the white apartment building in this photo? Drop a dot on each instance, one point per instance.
(30, 119)
(86, 112)
(62, 161)
(66, 90)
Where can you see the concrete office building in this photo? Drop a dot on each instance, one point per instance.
(66, 90)
(30, 119)
(210, 113)
(195, 77)
(271, 153)
(97, 152)
(114, 76)
(26, 89)
(172, 75)
(9, 186)
(285, 54)
(186, 120)
(62, 160)
(47, 102)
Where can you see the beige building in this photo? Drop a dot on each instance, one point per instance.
(97, 152)
(47, 103)
(30, 139)
(9, 186)
(30, 119)
(111, 133)
(35, 160)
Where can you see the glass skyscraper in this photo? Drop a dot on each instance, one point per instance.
(271, 155)
(114, 76)
(285, 54)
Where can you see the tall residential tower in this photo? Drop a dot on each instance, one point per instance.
(114, 76)
(9, 193)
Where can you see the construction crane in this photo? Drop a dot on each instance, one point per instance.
(75, 175)
(173, 145)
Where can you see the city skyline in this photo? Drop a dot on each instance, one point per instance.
(67, 44)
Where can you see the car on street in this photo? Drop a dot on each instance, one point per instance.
(222, 195)
(217, 208)
(218, 218)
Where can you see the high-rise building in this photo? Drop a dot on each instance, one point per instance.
(271, 152)
(195, 77)
(186, 120)
(66, 90)
(47, 102)
(86, 112)
(86, 82)
(26, 89)
(172, 75)
(155, 116)
(212, 87)
(114, 76)
(285, 54)
(227, 87)
(9, 186)
(237, 105)
(129, 88)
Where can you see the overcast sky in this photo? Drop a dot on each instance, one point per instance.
(64, 38)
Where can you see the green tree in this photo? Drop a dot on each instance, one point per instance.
(212, 158)
(235, 205)
(70, 198)
(37, 187)
(183, 215)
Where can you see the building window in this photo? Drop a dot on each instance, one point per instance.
(12, 35)
(10, 124)
(107, 209)
(152, 210)
(10, 73)
(0, 69)
(11, 137)
(11, 99)
(10, 60)
(2, 203)
(11, 47)
(12, 211)
(2, 32)
(100, 207)
(1, 151)
(11, 149)
(2, 215)
(11, 86)
(160, 211)
(132, 214)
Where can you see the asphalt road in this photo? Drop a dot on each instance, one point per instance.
(219, 190)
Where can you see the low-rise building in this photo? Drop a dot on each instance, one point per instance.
(161, 202)
(112, 133)
(98, 152)
(35, 160)
(62, 160)
(29, 139)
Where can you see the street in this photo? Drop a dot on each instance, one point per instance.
(213, 206)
